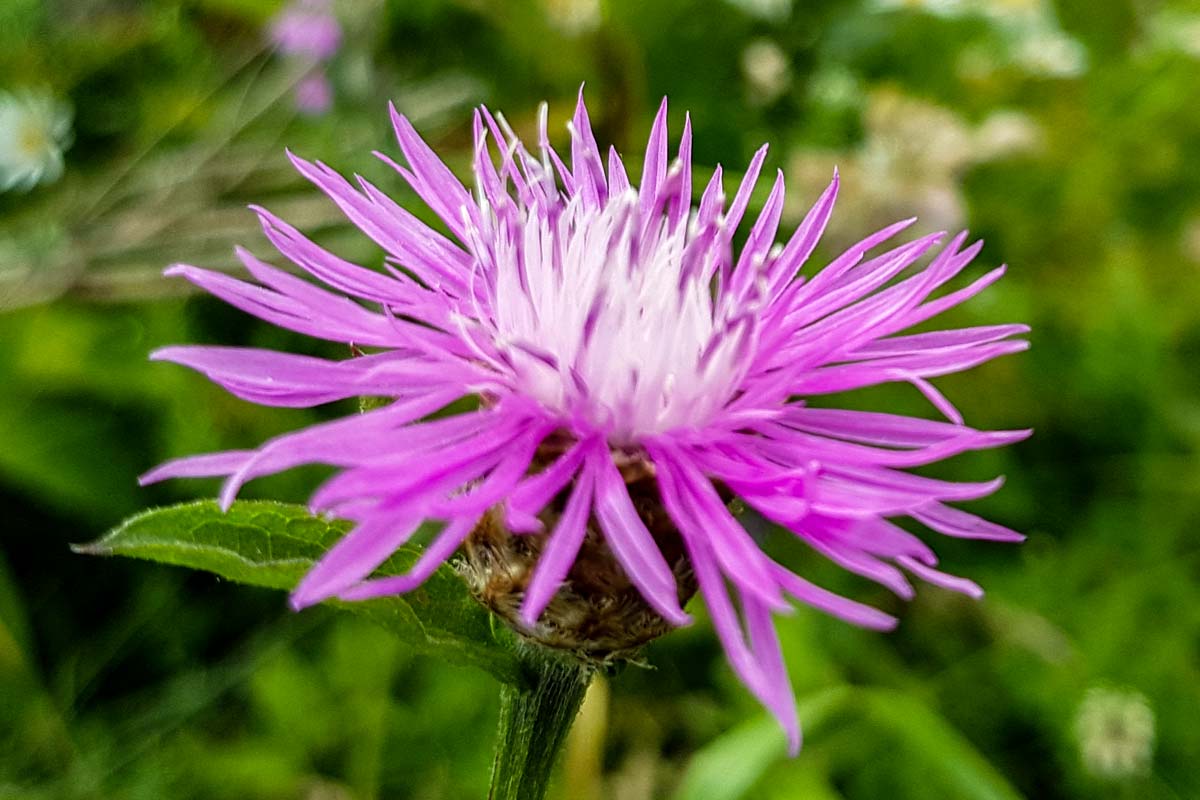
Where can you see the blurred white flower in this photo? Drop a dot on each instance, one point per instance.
(771, 10)
(1190, 240)
(910, 161)
(835, 87)
(914, 136)
(1031, 35)
(996, 10)
(35, 128)
(1009, 9)
(767, 69)
(1034, 40)
(940, 8)
(573, 17)
(1174, 30)
(1116, 733)
(1049, 52)
(1005, 133)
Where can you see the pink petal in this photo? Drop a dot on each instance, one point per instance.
(654, 169)
(961, 524)
(938, 578)
(587, 166)
(890, 430)
(796, 252)
(764, 642)
(697, 505)
(679, 209)
(209, 465)
(431, 179)
(733, 217)
(343, 442)
(286, 312)
(433, 556)
(633, 543)
(534, 493)
(559, 554)
(271, 378)
(716, 597)
(353, 558)
(833, 604)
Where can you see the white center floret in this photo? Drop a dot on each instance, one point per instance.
(610, 315)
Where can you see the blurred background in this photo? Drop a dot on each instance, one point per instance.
(1066, 133)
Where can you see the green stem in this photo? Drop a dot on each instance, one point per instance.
(534, 721)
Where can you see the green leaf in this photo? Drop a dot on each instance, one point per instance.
(739, 763)
(958, 767)
(68, 454)
(728, 768)
(732, 764)
(269, 544)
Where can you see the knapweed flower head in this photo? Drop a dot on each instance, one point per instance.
(35, 129)
(635, 373)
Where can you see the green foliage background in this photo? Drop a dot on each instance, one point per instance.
(121, 679)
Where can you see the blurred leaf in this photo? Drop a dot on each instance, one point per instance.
(68, 452)
(734, 764)
(729, 767)
(963, 772)
(19, 20)
(251, 10)
(799, 778)
(15, 638)
(269, 544)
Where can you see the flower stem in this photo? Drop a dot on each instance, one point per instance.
(534, 721)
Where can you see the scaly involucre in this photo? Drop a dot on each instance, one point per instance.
(577, 306)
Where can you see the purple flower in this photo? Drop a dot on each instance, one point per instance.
(611, 331)
(307, 28)
(314, 94)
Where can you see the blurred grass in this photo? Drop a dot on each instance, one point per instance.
(124, 680)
